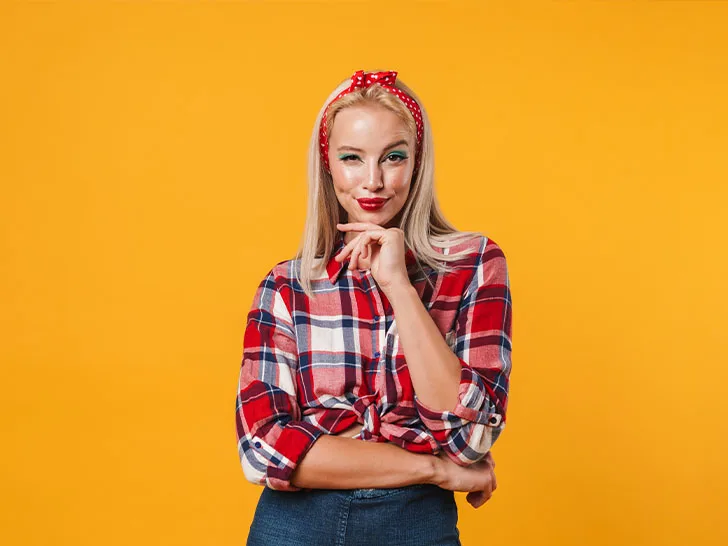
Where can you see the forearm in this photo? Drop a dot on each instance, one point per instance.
(433, 367)
(335, 462)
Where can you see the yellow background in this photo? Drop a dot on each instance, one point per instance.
(153, 169)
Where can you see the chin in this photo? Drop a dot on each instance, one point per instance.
(380, 221)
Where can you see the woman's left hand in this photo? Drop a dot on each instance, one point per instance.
(380, 249)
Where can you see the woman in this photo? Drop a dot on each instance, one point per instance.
(376, 362)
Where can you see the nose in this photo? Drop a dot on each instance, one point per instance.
(374, 177)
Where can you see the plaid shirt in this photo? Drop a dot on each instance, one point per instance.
(314, 366)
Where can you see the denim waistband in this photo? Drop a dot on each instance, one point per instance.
(370, 493)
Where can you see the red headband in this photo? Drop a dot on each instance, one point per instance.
(360, 80)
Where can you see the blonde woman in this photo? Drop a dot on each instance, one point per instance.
(376, 362)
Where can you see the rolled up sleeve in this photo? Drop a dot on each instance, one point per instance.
(272, 439)
(482, 342)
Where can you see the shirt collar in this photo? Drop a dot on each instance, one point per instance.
(334, 268)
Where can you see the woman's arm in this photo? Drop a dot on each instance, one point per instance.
(461, 394)
(337, 462)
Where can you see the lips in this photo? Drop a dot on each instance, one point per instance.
(371, 204)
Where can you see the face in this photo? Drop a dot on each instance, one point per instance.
(371, 156)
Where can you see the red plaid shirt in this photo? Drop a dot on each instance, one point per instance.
(314, 366)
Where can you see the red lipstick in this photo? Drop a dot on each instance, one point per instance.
(371, 204)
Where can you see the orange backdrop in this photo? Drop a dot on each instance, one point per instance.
(152, 164)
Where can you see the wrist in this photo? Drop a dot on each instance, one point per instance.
(431, 470)
(399, 289)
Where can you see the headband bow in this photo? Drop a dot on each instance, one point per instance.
(361, 80)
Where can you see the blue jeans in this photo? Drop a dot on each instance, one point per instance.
(413, 515)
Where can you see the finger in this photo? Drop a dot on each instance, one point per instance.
(364, 238)
(372, 236)
(356, 226)
(475, 498)
(359, 250)
(471, 499)
(341, 256)
(353, 258)
(356, 254)
(361, 259)
(481, 499)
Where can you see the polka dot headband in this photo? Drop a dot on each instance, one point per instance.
(386, 80)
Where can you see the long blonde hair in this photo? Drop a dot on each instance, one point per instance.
(422, 221)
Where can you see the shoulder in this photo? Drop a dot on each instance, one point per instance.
(476, 248)
(274, 291)
(482, 257)
(283, 278)
(281, 273)
(492, 267)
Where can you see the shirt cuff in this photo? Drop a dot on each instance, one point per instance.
(294, 442)
(474, 405)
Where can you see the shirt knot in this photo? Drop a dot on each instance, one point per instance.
(368, 412)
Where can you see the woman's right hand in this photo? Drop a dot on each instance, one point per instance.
(477, 479)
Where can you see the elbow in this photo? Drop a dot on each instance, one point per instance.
(254, 472)
(471, 443)
(271, 459)
(260, 471)
(255, 466)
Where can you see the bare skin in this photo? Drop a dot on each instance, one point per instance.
(453, 477)
(349, 432)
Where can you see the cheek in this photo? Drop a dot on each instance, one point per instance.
(344, 179)
(399, 181)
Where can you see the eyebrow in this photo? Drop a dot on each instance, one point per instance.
(398, 143)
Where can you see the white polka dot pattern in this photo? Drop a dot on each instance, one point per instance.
(386, 80)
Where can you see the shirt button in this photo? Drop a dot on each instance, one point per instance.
(494, 420)
(257, 444)
(376, 355)
(376, 317)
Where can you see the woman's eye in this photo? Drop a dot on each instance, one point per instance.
(396, 158)
(348, 157)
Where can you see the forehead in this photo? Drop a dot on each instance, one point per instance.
(367, 124)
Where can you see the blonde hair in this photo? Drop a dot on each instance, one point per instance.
(422, 221)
